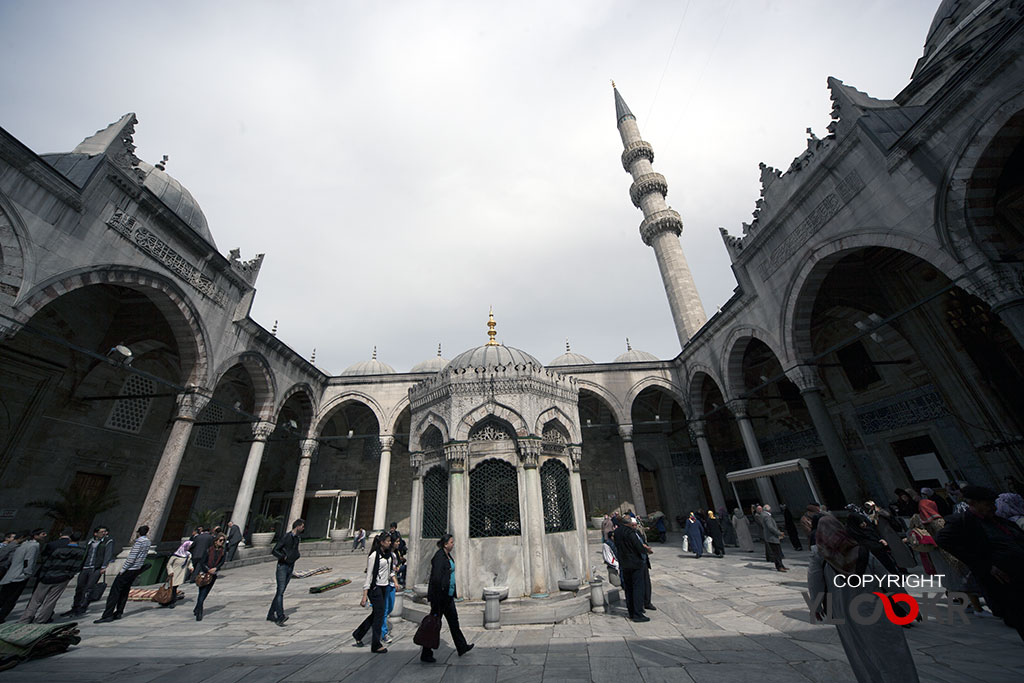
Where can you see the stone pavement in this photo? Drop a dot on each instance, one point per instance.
(731, 619)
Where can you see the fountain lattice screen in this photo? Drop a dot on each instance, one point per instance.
(493, 500)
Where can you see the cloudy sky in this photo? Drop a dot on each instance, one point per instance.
(405, 165)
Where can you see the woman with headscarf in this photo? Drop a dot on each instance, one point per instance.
(695, 534)
(877, 652)
(862, 530)
(1010, 506)
(890, 528)
(728, 530)
(904, 503)
(940, 501)
(714, 529)
(743, 539)
(611, 560)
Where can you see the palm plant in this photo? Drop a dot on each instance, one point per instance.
(77, 509)
(206, 518)
(264, 523)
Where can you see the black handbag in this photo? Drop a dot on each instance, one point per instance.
(428, 635)
(97, 589)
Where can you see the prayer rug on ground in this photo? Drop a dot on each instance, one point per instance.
(310, 572)
(330, 586)
(147, 593)
(19, 642)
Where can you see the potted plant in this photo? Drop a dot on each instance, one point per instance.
(207, 519)
(76, 509)
(596, 518)
(264, 527)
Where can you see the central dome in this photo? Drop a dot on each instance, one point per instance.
(491, 356)
(177, 198)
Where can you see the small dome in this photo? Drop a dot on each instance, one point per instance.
(369, 367)
(178, 199)
(435, 364)
(570, 358)
(633, 356)
(492, 356)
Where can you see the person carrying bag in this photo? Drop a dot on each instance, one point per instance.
(441, 593)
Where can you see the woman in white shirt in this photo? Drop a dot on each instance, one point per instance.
(379, 574)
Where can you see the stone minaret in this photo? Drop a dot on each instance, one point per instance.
(661, 226)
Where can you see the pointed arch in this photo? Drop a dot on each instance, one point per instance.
(609, 399)
(570, 426)
(263, 381)
(337, 402)
(735, 346)
(491, 409)
(696, 376)
(12, 251)
(395, 415)
(431, 419)
(675, 391)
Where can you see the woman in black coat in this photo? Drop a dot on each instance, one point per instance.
(209, 562)
(441, 593)
(713, 527)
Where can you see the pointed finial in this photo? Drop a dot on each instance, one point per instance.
(567, 345)
(491, 333)
(374, 353)
(312, 359)
(613, 83)
(438, 349)
(274, 331)
(628, 347)
(162, 164)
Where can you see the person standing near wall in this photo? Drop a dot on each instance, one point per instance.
(234, 537)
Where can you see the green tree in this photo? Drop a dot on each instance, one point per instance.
(76, 509)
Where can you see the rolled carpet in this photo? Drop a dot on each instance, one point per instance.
(19, 642)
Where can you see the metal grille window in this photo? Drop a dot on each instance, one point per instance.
(435, 502)
(206, 435)
(489, 430)
(431, 439)
(557, 497)
(493, 500)
(553, 439)
(128, 414)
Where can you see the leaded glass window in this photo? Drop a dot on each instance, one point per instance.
(493, 500)
(435, 502)
(557, 497)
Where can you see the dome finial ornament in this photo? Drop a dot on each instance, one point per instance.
(567, 349)
(613, 83)
(438, 349)
(491, 332)
(162, 164)
(312, 358)
(628, 347)
(374, 353)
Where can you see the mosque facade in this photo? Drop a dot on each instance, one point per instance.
(876, 334)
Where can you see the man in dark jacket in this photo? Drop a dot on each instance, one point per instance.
(287, 552)
(993, 548)
(63, 562)
(632, 562)
(233, 539)
(98, 554)
(201, 545)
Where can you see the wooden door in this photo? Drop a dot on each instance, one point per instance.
(177, 519)
(364, 513)
(649, 483)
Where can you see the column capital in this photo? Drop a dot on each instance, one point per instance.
(191, 402)
(805, 377)
(386, 442)
(698, 429)
(1000, 286)
(262, 430)
(308, 447)
(416, 463)
(575, 457)
(456, 454)
(626, 432)
(529, 452)
(740, 408)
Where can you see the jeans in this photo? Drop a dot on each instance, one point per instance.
(87, 578)
(374, 619)
(284, 575)
(389, 604)
(201, 597)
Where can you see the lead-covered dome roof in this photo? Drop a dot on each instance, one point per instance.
(177, 198)
(492, 356)
(635, 356)
(369, 367)
(570, 358)
(435, 364)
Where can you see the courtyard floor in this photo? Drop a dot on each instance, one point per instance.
(731, 619)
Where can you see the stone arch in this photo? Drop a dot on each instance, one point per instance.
(698, 374)
(299, 388)
(736, 345)
(570, 426)
(610, 400)
(431, 419)
(187, 326)
(491, 409)
(669, 387)
(803, 288)
(328, 409)
(964, 202)
(263, 381)
(395, 416)
(12, 251)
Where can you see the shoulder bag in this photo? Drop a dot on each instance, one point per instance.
(428, 635)
(164, 594)
(204, 579)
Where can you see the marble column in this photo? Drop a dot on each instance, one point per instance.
(161, 488)
(764, 487)
(1012, 314)
(457, 455)
(380, 506)
(413, 573)
(308, 447)
(530, 454)
(261, 431)
(637, 489)
(699, 433)
(805, 377)
(576, 483)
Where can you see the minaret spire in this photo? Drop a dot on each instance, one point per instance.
(661, 226)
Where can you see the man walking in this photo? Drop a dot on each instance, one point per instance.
(98, 554)
(201, 545)
(23, 565)
(234, 538)
(632, 557)
(130, 570)
(772, 539)
(287, 552)
(55, 573)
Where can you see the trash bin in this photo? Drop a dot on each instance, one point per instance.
(157, 572)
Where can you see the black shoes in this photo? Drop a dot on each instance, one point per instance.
(651, 607)
(104, 620)
(359, 641)
(468, 648)
(641, 619)
(380, 651)
(429, 659)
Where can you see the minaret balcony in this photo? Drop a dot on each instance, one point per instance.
(646, 184)
(639, 149)
(667, 220)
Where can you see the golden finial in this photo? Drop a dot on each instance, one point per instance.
(613, 83)
(491, 333)
(374, 353)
